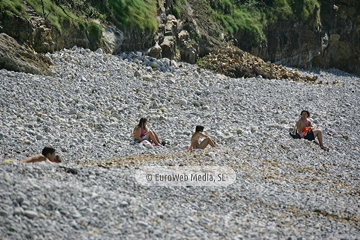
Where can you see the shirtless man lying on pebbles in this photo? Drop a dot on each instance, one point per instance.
(48, 155)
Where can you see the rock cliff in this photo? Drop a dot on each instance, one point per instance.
(334, 42)
(330, 41)
(340, 21)
(16, 57)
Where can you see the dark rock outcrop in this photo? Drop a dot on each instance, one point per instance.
(39, 34)
(340, 21)
(186, 38)
(155, 51)
(292, 44)
(16, 57)
(332, 41)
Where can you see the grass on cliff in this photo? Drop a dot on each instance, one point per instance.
(249, 17)
(126, 14)
(56, 14)
(293, 9)
(237, 17)
(129, 13)
(253, 15)
(13, 6)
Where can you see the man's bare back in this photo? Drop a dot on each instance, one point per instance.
(35, 158)
(47, 155)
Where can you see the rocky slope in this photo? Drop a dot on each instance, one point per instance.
(236, 63)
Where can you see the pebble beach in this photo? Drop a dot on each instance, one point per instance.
(284, 188)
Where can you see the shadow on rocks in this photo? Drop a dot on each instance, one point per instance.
(18, 58)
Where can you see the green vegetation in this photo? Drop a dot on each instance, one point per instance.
(246, 17)
(176, 12)
(56, 14)
(128, 13)
(123, 13)
(95, 31)
(178, 8)
(14, 6)
(251, 16)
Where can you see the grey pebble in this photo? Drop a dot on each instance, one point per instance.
(18, 211)
(30, 214)
(3, 213)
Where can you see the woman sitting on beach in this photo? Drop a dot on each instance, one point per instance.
(195, 139)
(141, 133)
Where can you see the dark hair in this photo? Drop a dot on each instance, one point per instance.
(306, 111)
(142, 122)
(199, 128)
(48, 150)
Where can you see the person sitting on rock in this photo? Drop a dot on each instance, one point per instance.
(195, 139)
(141, 133)
(305, 129)
(47, 155)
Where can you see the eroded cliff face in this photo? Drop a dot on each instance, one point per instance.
(292, 44)
(37, 33)
(331, 41)
(340, 21)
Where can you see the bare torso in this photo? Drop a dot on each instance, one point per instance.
(195, 140)
(302, 123)
(35, 158)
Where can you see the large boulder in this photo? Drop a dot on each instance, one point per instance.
(155, 51)
(168, 47)
(171, 25)
(37, 32)
(112, 39)
(18, 58)
(189, 48)
(189, 53)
